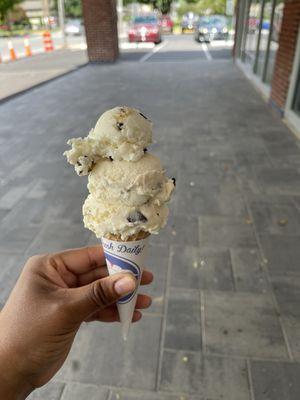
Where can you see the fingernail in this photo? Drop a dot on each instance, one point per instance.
(124, 285)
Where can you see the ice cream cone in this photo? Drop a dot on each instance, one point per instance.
(126, 256)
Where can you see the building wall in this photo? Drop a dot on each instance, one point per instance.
(286, 52)
(100, 20)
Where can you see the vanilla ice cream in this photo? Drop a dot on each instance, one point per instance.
(128, 186)
(122, 133)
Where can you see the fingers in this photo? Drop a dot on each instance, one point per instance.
(79, 261)
(110, 314)
(99, 294)
(147, 277)
(101, 272)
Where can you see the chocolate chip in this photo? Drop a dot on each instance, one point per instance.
(174, 181)
(111, 159)
(85, 156)
(145, 150)
(79, 163)
(144, 116)
(80, 172)
(120, 125)
(136, 216)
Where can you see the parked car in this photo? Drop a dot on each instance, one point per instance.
(188, 22)
(166, 24)
(211, 28)
(145, 29)
(74, 27)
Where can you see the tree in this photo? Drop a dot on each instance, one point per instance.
(163, 5)
(73, 8)
(202, 7)
(5, 7)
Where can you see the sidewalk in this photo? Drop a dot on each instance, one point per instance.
(225, 320)
(27, 72)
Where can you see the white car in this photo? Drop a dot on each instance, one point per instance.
(74, 27)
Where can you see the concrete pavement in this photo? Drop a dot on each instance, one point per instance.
(25, 73)
(225, 319)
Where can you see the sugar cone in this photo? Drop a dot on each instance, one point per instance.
(126, 256)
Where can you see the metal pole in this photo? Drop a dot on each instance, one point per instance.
(120, 16)
(61, 18)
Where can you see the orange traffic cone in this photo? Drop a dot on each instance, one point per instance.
(12, 53)
(28, 52)
(48, 42)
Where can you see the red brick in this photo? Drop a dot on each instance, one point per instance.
(100, 18)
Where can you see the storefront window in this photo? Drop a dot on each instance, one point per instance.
(252, 32)
(261, 36)
(296, 103)
(278, 12)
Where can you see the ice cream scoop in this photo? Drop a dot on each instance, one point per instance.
(127, 197)
(121, 133)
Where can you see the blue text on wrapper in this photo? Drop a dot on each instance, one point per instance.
(123, 248)
(125, 265)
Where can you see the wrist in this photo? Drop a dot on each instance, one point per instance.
(13, 385)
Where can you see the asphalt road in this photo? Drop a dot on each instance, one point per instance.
(176, 48)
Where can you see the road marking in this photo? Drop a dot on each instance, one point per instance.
(154, 50)
(206, 51)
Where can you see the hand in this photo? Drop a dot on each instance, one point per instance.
(54, 294)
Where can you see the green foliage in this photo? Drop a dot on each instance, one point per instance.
(162, 5)
(73, 8)
(202, 7)
(5, 7)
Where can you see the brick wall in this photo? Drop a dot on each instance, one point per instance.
(100, 19)
(286, 52)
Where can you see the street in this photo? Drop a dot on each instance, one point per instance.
(178, 47)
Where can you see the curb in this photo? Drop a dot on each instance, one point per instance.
(24, 91)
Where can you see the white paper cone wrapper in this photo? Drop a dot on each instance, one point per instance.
(126, 257)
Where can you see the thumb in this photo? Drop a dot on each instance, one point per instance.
(87, 299)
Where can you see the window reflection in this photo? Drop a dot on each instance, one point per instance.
(252, 32)
(274, 40)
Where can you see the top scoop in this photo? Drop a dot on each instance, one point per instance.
(128, 187)
(121, 133)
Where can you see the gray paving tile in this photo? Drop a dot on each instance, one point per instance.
(200, 268)
(80, 391)
(282, 253)
(12, 196)
(19, 227)
(292, 329)
(10, 269)
(287, 292)
(247, 270)
(280, 181)
(183, 324)
(157, 262)
(275, 381)
(225, 232)
(210, 196)
(100, 356)
(243, 324)
(181, 229)
(137, 395)
(208, 376)
(57, 236)
(276, 219)
(51, 391)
